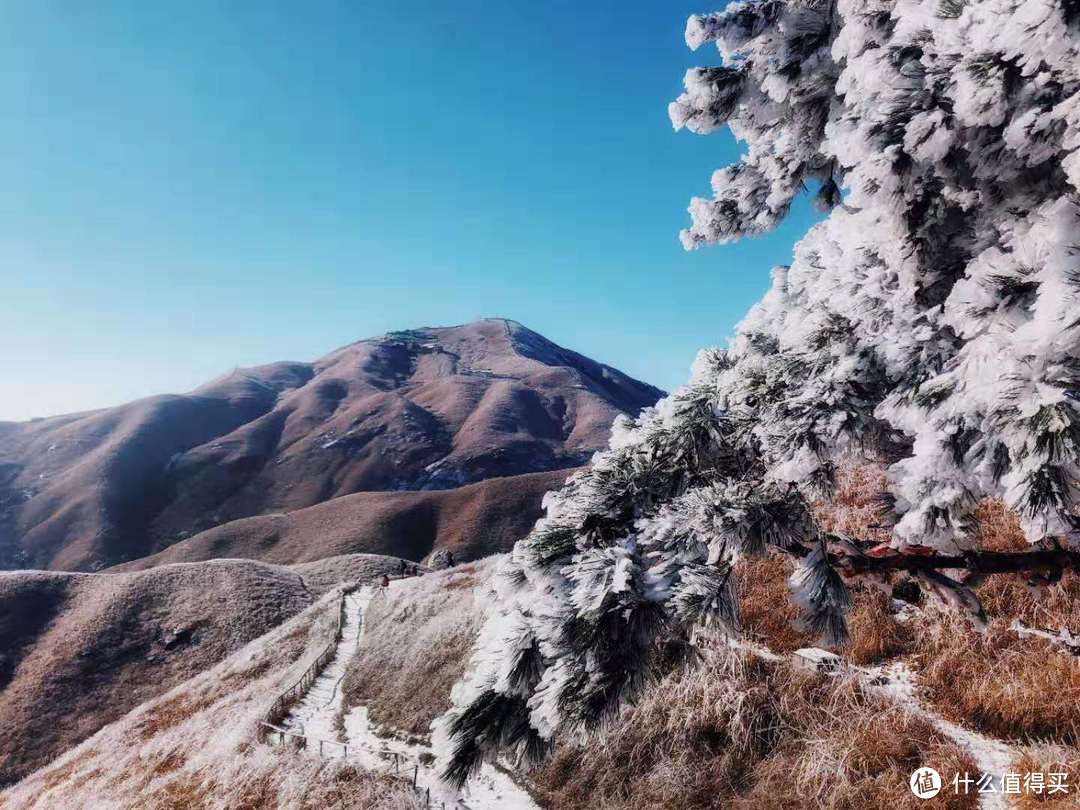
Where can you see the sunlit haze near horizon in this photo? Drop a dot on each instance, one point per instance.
(192, 188)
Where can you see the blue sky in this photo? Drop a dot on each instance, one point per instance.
(192, 186)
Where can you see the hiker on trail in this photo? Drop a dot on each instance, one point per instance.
(403, 568)
(449, 559)
(385, 581)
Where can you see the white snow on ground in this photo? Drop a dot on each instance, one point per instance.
(313, 717)
(491, 789)
(991, 756)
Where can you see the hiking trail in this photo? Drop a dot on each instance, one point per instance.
(313, 718)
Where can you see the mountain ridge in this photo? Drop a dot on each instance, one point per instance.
(432, 408)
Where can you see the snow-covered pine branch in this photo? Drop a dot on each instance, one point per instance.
(931, 319)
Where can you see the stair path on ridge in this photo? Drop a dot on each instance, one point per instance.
(314, 717)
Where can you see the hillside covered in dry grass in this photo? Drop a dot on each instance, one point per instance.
(78, 651)
(417, 640)
(471, 521)
(195, 746)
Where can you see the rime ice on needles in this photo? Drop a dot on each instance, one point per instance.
(931, 318)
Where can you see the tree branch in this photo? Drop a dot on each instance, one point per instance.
(850, 557)
(981, 562)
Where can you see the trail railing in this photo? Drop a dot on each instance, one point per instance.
(291, 696)
(397, 764)
(272, 731)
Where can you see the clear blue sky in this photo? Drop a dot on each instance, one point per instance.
(189, 186)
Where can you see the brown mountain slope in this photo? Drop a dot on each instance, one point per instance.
(427, 409)
(78, 651)
(194, 747)
(471, 521)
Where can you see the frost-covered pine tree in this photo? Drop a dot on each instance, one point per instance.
(933, 318)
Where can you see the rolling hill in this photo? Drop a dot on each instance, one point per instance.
(471, 521)
(78, 651)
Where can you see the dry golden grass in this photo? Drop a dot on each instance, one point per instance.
(184, 792)
(81, 651)
(1009, 686)
(1052, 607)
(170, 712)
(876, 635)
(329, 784)
(352, 787)
(996, 528)
(1009, 597)
(462, 577)
(418, 637)
(1046, 759)
(737, 731)
(766, 610)
(195, 748)
(257, 794)
(855, 508)
(57, 775)
(172, 761)
(770, 617)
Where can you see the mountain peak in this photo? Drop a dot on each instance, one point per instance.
(430, 408)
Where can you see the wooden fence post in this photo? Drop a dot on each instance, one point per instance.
(279, 708)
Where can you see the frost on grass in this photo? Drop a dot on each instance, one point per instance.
(749, 733)
(195, 746)
(1047, 759)
(929, 320)
(82, 650)
(417, 640)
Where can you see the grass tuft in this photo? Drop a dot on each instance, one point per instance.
(1011, 687)
(418, 637)
(737, 731)
(1046, 758)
